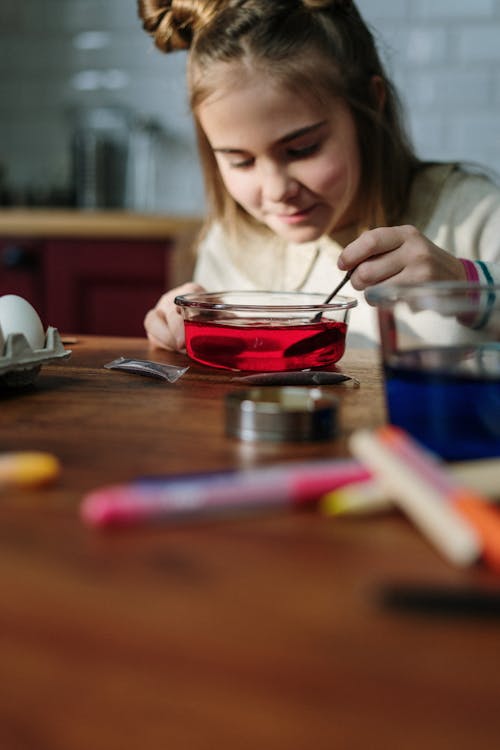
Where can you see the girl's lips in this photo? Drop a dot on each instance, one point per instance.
(297, 216)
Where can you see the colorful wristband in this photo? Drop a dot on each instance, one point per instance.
(490, 302)
(470, 269)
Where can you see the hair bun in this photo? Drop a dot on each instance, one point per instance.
(328, 4)
(174, 23)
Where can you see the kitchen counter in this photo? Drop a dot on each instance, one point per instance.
(48, 222)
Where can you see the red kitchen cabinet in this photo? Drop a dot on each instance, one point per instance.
(93, 272)
(21, 270)
(87, 286)
(104, 286)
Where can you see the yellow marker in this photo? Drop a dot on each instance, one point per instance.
(356, 499)
(370, 496)
(28, 469)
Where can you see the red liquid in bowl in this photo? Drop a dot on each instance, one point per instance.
(264, 348)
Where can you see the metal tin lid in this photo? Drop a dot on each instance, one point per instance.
(281, 414)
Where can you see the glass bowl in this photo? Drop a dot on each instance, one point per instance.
(264, 331)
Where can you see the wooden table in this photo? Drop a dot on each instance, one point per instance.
(251, 633)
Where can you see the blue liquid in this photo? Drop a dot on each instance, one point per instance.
(456, 414)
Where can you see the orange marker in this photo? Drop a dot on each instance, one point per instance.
(484, 518)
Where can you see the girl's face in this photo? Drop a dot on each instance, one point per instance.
(290, 162)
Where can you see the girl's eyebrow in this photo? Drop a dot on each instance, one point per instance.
(302, 131)
(285, 139)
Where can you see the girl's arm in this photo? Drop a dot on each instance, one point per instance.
(456, 216)
(403, 255)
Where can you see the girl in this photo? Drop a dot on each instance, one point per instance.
(308, 169)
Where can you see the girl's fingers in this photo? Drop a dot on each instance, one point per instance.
(158, 331)
(399, 254)
(375, 242)
(378, 269)
(175, 323)
(164, 323)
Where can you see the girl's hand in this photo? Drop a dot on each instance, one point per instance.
(399, 254)
(164, 324)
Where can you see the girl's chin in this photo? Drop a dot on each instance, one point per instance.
(298, 233)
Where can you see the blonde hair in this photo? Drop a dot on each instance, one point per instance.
(319, 48)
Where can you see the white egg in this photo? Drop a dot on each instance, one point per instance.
(18, 316)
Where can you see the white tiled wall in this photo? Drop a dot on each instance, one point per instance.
(444, 56)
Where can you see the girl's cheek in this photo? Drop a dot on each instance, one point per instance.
(328, 175)
(240, 187)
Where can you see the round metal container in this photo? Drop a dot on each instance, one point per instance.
(281, 414)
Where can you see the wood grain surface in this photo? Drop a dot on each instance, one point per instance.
(244, 633)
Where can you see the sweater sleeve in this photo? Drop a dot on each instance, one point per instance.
(482, 224)
(460, 212)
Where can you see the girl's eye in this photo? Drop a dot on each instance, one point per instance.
(243, 164)
(301, 153)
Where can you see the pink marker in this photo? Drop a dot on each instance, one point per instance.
(217, 493)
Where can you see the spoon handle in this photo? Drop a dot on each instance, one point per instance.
(339, 286)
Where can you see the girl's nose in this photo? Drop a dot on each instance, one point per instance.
(278, 185)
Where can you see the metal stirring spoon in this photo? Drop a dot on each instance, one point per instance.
(323, 337)
(335, 291)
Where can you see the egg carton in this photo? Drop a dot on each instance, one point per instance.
(20, 364)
